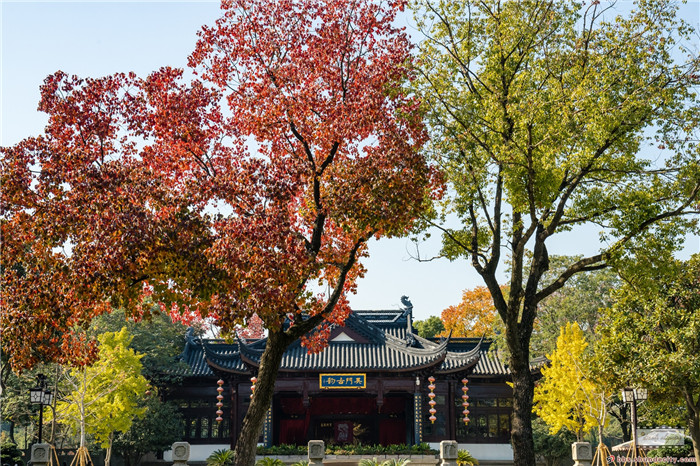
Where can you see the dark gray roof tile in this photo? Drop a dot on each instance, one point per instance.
(390, 347)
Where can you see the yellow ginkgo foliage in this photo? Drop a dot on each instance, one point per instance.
(103, 399)
(566, 397)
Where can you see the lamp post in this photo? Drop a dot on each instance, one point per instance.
(631, 396)
(39, 395)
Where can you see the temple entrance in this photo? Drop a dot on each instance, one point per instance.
(342, 420)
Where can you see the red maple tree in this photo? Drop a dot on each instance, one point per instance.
(316, 88)
(250, 191)
(253, 330)
(85, 223)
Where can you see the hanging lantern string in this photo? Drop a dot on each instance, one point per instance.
(219, 403)
(465, 401)
(432, 402)
(254, 380)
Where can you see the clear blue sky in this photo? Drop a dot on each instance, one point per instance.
(99, 38)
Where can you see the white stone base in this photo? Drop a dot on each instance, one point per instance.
(495, 452)
(198, 453)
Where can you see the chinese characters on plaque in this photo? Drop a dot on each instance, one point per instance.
(357, 381)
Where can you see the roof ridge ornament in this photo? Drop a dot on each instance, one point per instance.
(190, 337)
(408, 312)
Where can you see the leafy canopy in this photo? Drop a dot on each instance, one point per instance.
(429, 327)
(548, 117)
(159, 426)
(104, 397)
(474, 316)
(651, 339)
(567, 397)
(157, 338)
(250, 190)
(582, 301)
(551, 447)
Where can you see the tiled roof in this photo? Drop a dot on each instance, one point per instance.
(490, 364)
(455, 362)
(389, 346)
(224, 357)
(386, 349)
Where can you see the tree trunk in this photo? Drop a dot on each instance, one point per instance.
(83, 441)
(53, 407)
(12, 432)
(247, 442)
(694, 425)
(624, 421)
(108, 453)
(521, 433)
(277, 342)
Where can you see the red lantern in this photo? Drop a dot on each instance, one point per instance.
(252, 387)
(219, 399)
(465, 403)
(432, 402)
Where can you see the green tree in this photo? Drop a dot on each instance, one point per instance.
(582, 301)
(551, 448)
(429, 327)
(15, 408)
(10, 454)
(160, 425)
(651, 338)
(103, 398)
(546, 119)
(156, 337)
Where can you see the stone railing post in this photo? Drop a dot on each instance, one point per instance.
(41, 453)
(181, 453)
(317, 452)
(581, 453)
(448, 453)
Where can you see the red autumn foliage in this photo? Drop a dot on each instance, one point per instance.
(85, 222)
(250, 191)
(474, 316)
(242, 193)
(253, 329)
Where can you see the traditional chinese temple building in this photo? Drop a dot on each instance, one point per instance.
(372, 384)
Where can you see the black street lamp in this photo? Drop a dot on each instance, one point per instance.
(631, 396)
(40, 396)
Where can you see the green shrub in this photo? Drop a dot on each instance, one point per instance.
(396, 462)
(221, 457)
(400, 449)
(281, 450)
(268, 461)
(372, 462)
(10, 453)
(375, 462)
(464, 458)
(675, 451)
(422, 449)
(301, 463)
(358, 449)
